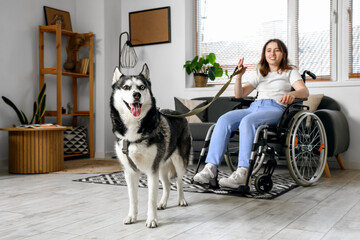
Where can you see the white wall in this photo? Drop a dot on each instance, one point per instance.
(104, 19)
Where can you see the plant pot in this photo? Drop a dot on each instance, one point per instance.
(200, 79)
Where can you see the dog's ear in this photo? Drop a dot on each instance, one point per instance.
(145, 72)
(117, 75)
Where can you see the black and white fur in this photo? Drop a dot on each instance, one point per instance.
(147, 141)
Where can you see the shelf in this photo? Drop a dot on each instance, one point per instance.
(69, 74)
(52, 29)
(59, 74)
(79, 113)
(77, 75)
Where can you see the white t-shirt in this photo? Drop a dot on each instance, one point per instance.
(275, 84)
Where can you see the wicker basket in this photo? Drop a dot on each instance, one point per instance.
(200, 80)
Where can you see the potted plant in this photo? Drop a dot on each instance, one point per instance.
(38, 109)
(203, 67)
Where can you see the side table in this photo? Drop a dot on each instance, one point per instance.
(36, 150)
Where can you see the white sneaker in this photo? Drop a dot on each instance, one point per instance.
(236, 179)
(209, 172)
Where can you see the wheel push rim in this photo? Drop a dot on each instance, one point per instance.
(307, 148)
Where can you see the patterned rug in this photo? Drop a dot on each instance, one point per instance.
(281, 184)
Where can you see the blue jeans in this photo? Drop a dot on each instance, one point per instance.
(260, 112)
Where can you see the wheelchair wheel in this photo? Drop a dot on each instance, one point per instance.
(263, 183)
(306, 148)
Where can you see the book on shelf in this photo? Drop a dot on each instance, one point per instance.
(86, 68)
(84, 65)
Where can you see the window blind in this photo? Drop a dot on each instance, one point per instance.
(315, 37)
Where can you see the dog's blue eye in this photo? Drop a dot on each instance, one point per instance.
(125, 87)
(142, 87)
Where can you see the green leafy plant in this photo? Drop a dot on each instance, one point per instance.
(205, 65)
(38, 108)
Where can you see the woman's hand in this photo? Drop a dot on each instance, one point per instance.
(241, 90)
(287, 98)
(241, 69)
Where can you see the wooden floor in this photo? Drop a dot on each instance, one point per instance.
(52, 206)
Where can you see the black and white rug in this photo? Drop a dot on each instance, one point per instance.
(281, 184)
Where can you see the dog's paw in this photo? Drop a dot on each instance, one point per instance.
(129, 220)
(183, 203)
(161, 206)
(151, 223)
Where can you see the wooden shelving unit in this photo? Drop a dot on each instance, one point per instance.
(58, 71)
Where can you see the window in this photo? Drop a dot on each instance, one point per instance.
(232, 29)
(315, 38)
(354, 41)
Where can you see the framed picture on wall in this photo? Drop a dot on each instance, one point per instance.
(52, 16)
(150, 26)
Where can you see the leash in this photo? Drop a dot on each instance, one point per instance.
(199, 110)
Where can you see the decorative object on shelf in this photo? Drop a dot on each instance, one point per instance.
(38, 109)
(150, 26)
(70, 107)
(53, 16)
(127, 54)
(72, 48)
(203, 67)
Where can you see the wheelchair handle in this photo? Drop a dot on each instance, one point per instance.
(312, 75)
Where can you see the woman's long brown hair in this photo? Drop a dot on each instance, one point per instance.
(284, 66)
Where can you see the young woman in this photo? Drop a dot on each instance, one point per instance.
(275, 77)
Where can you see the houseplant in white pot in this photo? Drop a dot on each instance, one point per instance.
(203, 67)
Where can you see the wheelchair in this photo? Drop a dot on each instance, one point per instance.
(299, 138)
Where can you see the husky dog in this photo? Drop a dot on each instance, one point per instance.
(147, 141)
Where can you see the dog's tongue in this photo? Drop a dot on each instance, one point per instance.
(135, 109)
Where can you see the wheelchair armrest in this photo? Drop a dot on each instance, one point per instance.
(243, 102)
(337, 130)
(299, 100)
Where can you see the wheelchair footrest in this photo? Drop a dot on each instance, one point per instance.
(213, 184)
(242, 189)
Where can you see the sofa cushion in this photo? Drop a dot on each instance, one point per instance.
(314, 101)
(185, 105)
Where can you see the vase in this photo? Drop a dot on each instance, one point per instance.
(69, 65)
(200, 79)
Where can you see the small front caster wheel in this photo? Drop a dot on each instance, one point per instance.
(263, 183)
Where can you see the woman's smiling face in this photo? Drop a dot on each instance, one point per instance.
(273, 56)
